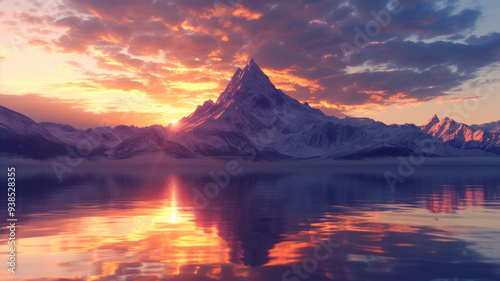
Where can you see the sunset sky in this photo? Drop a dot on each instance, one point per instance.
(141, 62)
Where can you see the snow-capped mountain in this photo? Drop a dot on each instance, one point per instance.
(492, 127)
(24, 137)
(119, 142)
(100, 136)
(251, 112)
(150, 139)
(252, 115)
(460, 135)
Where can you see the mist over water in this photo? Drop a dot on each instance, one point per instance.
(140, 223)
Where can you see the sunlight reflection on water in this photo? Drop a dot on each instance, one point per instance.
(127, 227)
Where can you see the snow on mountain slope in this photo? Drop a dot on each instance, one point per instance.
(249, 104)
(147, 140)
(20, 124)
(433, 121)
(97, 137)
(63, 132)
(253, 115)
(121, 141)
(462, 136)
(24, 137)
(251, 111)
(492, 127)
(362, 122)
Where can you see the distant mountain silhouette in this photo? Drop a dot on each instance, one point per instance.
(463, 136)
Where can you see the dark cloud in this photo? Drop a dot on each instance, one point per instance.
(424, 51)
(467, 58)
(427, 22)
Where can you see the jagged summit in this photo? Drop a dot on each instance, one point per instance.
(461, 135)
(253, 67)
(250, 97)
(433, 121)
(248, 79)
(253, 114)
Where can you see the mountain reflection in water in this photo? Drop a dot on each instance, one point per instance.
(143, 226)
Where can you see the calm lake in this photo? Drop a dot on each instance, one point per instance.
(268, 224)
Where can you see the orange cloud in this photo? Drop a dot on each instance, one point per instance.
(441, 100)
(341, 109)
(245, 13)
(181, 52)
(286, 81)
(74, 112)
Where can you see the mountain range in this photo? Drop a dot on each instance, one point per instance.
(251, 117)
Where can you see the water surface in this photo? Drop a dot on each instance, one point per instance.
(139, 224)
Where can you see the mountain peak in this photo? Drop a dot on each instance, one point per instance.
(446, 120)
(252, 69)
(250, 77)
(433, 121)
(252, 66)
